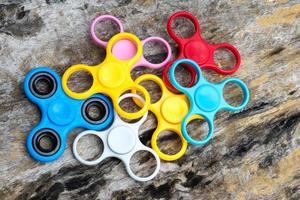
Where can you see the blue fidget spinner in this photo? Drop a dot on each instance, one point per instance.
(60, 114)
(205, 98)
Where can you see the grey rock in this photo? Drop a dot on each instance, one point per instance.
(254, 153)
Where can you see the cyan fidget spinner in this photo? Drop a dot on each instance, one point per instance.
(205, 98)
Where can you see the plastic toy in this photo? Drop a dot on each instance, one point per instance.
(112, 76)
(205, 98)
(197, 49)
(60, 114)
(125, 49)
(121, 141)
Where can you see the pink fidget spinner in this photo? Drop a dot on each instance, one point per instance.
(125, 49)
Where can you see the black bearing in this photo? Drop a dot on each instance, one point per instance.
(100, 105)
(50, 85)
(51, 136)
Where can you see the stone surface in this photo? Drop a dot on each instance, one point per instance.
(255, 153)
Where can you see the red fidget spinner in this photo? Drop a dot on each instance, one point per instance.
(197, 49)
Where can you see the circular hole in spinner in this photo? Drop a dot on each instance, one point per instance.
(106, 29)
(90, 147)
(183, 27)
(233, 94)
(95, 110)
(224, 58)
(80, 81)
(155, 52)
(183, 75)
(197, 128)
(43, 85)
(128, 104)
(143, 163)
(169, 142)
(154, 90)
(46, 142)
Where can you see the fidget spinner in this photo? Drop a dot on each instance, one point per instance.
(205, 98)
(169, 111)
(121, 141)
(111, 77)
(198, 49)
(125, 49)
(60, 114)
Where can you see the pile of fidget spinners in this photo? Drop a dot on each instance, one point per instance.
(63, 109)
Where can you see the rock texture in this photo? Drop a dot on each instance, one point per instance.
(255, 153)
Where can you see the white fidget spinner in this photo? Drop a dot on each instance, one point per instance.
(121, 141)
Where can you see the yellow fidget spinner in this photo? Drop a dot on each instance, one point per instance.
(169, 110)
(112, 76)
